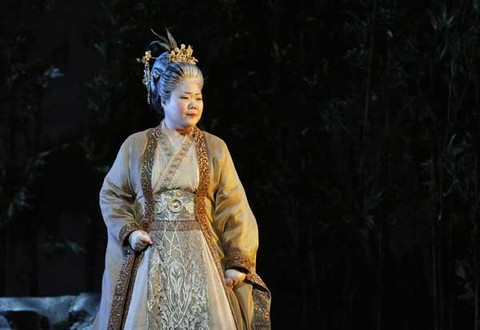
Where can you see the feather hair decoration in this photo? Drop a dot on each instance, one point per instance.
(168, 43)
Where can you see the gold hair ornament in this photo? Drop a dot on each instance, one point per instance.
(147, 74)
(182, 55)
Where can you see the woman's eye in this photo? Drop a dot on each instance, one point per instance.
(184, 97)
(199, 99)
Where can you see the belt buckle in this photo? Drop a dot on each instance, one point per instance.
(175, 205)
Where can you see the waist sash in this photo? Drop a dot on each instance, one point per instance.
(174, 210)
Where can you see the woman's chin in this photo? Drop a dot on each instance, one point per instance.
(191, 121)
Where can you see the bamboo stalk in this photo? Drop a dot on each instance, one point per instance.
(476, 233)
(368, 91)
(434, 278)
(382, 239)
(436, 235)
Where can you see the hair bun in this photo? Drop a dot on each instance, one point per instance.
(160, 65)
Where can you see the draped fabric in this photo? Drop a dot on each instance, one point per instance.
(186, 194)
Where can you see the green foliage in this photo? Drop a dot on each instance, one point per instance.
(56, 248)
(16, 188)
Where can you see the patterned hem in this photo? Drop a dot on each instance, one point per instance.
(261, 300)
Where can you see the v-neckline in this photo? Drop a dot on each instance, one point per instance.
(168, 133)
(174, 157)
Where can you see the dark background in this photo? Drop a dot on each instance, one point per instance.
(354, 126)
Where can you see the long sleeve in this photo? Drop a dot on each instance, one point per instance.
(239, 237)
(116, 197)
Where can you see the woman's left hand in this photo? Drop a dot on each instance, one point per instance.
(233, 277)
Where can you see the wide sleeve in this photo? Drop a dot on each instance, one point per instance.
(239, 236)
(116, 198)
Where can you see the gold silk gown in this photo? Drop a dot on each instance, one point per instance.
(182, 287)
(186, 194)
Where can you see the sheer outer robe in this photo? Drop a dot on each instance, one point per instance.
(232, 227)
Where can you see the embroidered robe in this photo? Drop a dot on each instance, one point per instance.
(227, 227)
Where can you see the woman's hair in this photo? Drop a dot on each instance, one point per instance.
(166, 75)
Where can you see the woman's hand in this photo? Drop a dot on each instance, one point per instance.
(139, 240)
(233, 277)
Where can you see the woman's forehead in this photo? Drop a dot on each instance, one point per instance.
(189, 86)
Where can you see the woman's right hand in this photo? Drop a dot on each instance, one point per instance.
(139, 240)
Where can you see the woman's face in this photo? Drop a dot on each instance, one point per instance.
(185, 107)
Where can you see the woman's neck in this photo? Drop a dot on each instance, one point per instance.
(175, 132)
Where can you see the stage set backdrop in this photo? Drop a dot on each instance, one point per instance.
(354, 127)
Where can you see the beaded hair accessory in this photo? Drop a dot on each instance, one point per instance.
(147, 74)
(176, 55)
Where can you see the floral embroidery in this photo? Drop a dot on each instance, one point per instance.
(136, 265)
(177, 289)
(146, 176)
(261, 311)
(120, 293)
(261, 302)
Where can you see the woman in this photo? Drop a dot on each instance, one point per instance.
(182, 239)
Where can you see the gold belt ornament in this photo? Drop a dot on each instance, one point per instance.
(174, 205)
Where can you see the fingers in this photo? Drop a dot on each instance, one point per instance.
(138, 247)
(145, 239)
(233, 277)
(140, 240)
(231, 282)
